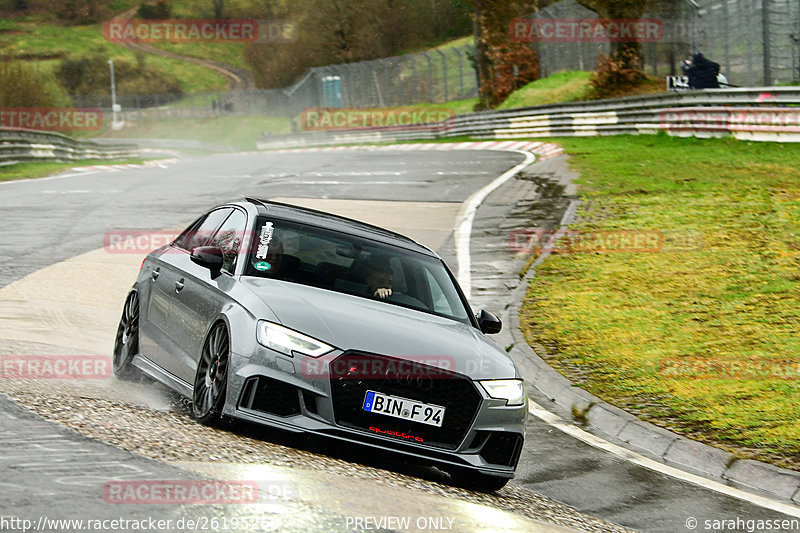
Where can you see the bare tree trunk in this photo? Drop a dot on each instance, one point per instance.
(502, 64)
(620, 9)
(219, 8)
(481, 51)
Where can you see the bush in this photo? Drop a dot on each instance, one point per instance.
(159, 11)
(82, 11)
(22, 85)
(91, 75)
(512, 66)
(616, 74)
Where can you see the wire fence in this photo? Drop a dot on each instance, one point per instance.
(134, 107)
(439, 75)
(435, 76)
(756, 43)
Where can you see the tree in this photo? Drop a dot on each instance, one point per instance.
(219, 8)
(22, 84)
(502, 64)
(620, 9)
(495, 52)
(83, 11)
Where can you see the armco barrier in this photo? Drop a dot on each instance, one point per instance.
(758, 114)
(30, 145)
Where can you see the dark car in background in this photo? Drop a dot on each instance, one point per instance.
(311, 322)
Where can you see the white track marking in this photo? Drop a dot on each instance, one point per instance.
(463, 227)
(651, 464)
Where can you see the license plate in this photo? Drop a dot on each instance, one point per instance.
(424, 413)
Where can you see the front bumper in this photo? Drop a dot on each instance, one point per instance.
(299, 395)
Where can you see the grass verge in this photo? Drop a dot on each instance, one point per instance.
(238, 131)
(557, 88)
(40, 169)
(48, 43)
(702, 337)
(242, 131)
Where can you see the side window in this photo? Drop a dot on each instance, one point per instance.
(201, 231)
(440, 303)
(229, 238)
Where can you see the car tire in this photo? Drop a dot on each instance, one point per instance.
(211, 378)
(126, 344)
(469, 479)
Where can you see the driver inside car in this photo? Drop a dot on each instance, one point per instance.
(379, 280)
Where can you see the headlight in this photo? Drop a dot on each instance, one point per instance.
(287, 341)
(510, 390)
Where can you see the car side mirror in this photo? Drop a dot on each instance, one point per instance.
(209, 257)
(489, 323)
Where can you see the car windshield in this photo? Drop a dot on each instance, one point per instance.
(353, 265)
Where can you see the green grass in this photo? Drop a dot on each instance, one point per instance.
(702, 337)
(238, 131)
(194, 9)
(228, 53)
(49, 43)
(39, 169)
(560, 87)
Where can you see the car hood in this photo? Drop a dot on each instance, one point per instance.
(354, 323)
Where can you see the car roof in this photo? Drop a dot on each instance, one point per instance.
(305, 215)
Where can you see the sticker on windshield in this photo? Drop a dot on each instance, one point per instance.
(262, 266)
(263, 241)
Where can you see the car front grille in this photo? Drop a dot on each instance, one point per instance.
(352, 374)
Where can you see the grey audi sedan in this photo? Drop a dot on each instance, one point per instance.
(311, 322)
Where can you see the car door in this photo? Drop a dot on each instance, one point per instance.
(156, 333)
(170, 282)
(154, 338)
(203, 293)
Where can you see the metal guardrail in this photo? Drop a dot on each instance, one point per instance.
(30, 145)
(759, 114)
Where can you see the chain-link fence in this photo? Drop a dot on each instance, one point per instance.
(756, 42)
(267, 102)
(439, 75)
(435, 76)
